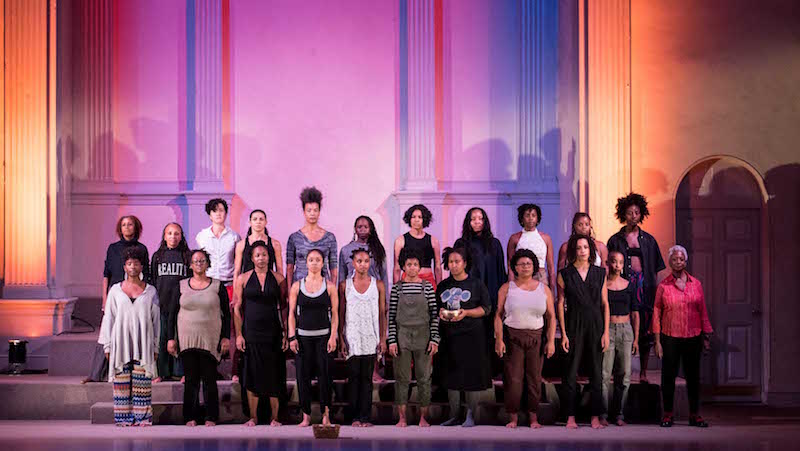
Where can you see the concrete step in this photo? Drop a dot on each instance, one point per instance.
(71, 354)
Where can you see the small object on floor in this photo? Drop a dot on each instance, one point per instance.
(326, 432)
(697, 421)
(666, 421)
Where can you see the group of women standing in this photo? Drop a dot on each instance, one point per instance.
(471, 326)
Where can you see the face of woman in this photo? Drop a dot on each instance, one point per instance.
(582, 250)
(128, 228)
(616, 263)
(258, 222)
(311, 212)
(218, 215)
(261, 257)
(524, 267)
(677, 262)
(173, 235)
(583, 226)
(362, 229)
(314, 262)
(633, 215)
(361, 263)
(411, 267)
(476, 221)
(456, 264)
(530, 219)
(199, 263)
(133, 267)
(416, 220)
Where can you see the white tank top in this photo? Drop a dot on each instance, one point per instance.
(534, 242)
(362, 329)
(525, 309)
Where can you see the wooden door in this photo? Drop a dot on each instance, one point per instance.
(720, 228)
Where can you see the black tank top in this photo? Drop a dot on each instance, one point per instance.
(313, 311)
(247, 256)
(583, 298)
(423, 245)
(620, 301)
(262, 322)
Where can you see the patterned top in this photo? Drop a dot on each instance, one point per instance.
(680, 314)
(297, 247)
(362, 330)
(411, 288)
(534, 242)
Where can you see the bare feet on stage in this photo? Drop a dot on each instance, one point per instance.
(597, 424)
(326, 419)
(603, 422)
(621, 422)
(571, 424)
(306, 421)
(156, 380)
(402, 423)
(366, 425)
(534, 421)
(275, 423)
(513, 423)
(252, 422)
(191, 424)
(423, 423)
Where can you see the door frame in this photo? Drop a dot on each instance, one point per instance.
(766, 255)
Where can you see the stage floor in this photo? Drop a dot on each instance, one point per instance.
(74, 435)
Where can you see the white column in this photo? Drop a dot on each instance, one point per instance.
(208, 91)
(420, 152)
(605, 109)
(538, 134)
(29, 151)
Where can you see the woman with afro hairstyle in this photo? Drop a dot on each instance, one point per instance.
(643, 261)
(418, 217)
(311, 236)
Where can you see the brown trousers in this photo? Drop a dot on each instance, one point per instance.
(523, 363)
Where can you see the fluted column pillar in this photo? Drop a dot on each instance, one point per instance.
(418, 95)
(605, 92)
(93, 131)
(538, 137)
(31, 190)
(205, 98)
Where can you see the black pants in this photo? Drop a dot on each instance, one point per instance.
(584, 340)
(688, 351)
(313, 359)
(359, 387)
(200, 367)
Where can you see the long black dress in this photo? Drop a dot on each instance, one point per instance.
(262, 332)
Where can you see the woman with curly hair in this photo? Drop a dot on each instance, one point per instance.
(418, 217)
(311, 236)
(129, 336)
(643, 261)
(529, 217)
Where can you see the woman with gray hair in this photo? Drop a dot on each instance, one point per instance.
(682, 331)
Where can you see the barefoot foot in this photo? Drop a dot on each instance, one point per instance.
(596, 423)
(621, 422)
(191, 424)
(402, 423)
(423, 423)
(571, 424)
(252, 422)
(210, 424)
(275, 423)
(603, 422)
(306, 421)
